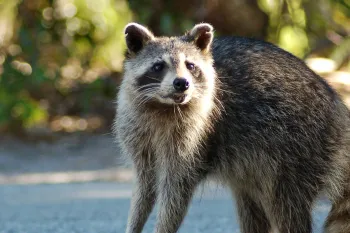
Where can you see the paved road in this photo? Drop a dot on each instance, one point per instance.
(103, 207)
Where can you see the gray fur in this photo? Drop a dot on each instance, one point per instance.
(255, 117)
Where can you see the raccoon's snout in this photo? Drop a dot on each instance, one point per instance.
(181, 84)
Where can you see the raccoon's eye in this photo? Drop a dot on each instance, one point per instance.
(190, 66)
(158, 67)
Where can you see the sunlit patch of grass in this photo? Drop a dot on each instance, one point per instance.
(74, 123)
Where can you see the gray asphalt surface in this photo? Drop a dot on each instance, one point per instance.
(103, 208)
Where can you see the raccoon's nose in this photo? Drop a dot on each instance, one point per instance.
(181, 84)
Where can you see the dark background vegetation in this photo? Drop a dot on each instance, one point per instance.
(61, 60)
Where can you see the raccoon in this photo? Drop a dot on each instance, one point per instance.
(242, 110)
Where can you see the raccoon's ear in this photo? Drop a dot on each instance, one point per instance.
(202, 35)
(136, 37)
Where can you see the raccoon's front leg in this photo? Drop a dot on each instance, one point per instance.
(251, 215)
(176, 189)
(143, 198)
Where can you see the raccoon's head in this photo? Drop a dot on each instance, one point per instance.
(168, 71)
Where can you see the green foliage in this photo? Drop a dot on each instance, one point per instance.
(16, 104)
(298, 25)
(58, 47)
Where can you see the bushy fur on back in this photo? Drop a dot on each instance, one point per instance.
(254, 116)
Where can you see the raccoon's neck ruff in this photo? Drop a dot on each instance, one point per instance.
(179, 130)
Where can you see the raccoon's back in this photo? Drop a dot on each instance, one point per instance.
(272, 100)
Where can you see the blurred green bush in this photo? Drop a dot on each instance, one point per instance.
(60, 60)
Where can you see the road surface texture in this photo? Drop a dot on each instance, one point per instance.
(103, 207)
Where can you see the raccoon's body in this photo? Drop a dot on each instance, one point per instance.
(245, 111)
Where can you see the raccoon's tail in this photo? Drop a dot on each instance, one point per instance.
(338, 220)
